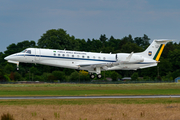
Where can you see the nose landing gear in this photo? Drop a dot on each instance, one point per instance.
(17, 66)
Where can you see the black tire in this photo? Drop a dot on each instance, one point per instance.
(92, 76)
(99, 76)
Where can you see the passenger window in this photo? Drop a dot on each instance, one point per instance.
(82, 56)
(72, 55)
(99, 57)
(94, 57)
(59, 55)
(87, 56)
(63, 55)
(104, 58)
(54, 54)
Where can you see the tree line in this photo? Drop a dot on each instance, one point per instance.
(167, 69)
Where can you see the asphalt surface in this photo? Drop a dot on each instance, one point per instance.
(90, 97)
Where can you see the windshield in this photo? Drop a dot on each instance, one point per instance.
(26, 51)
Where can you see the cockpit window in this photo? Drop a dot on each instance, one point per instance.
(24, 51)
(29, 51)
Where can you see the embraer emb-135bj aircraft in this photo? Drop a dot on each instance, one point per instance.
(90, 61)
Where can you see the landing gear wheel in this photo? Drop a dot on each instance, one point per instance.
(99, 76)
(92, 76)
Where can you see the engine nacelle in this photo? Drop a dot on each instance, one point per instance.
(129, 58)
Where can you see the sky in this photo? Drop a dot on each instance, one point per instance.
(29, 19)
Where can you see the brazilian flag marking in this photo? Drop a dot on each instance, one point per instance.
(150, 53)
(159, 52)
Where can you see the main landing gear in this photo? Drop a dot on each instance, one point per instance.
(99, 76)
(92, 76)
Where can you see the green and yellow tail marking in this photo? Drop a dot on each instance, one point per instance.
(159, 52)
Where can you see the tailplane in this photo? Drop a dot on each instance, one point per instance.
(155, 49)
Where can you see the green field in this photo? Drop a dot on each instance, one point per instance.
(91, 101)
(87, 109)
(89, 89)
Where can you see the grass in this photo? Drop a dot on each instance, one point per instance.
(7, 117)
(91, 101)
(91, 109)
(94, 112)
(88, 89)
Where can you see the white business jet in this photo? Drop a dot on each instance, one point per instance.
(90, 61)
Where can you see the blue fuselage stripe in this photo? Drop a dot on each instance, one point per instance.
(45, 56)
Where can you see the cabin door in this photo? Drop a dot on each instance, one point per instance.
(116, 58)
(37, 54)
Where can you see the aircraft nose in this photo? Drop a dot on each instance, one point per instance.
(10, 57)
(6, 58)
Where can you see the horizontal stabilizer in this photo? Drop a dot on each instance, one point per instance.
(163, 40)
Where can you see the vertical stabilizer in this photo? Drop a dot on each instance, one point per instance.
(155, 50)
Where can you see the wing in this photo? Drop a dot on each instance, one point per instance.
(100, 65)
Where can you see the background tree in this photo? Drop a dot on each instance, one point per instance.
(114, 76)
(134, 76)
(142, 41)
(175, 57)
(74, 77)
(57, 39)
(9, 68)
(59, 75)
(131, 47)
(17, 77)
(103, 40)
(2, 79)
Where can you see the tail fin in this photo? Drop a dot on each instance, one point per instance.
(155, 49)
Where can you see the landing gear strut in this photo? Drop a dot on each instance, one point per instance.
(17, 66)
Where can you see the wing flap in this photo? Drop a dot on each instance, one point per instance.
(104, 65)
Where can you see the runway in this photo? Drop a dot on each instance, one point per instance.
(89, 97)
